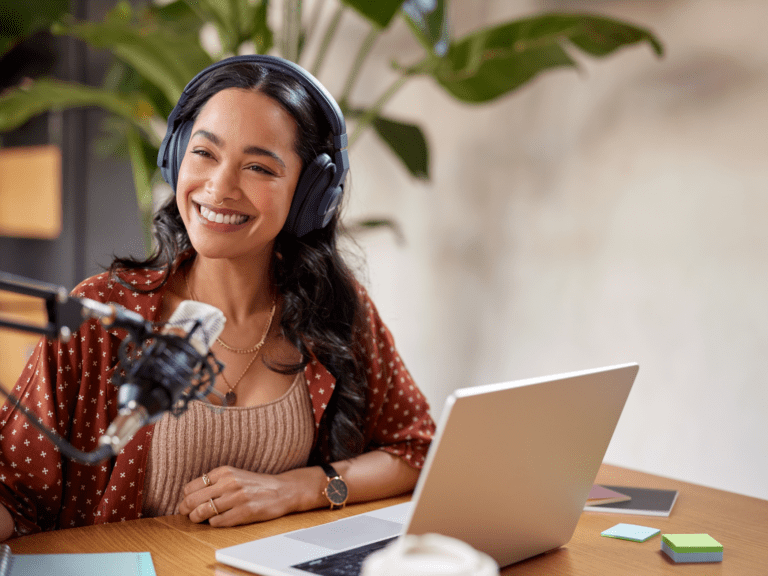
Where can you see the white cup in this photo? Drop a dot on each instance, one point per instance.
(429, 555)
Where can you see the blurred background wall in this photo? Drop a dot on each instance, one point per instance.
(596, 217)
(611, 215)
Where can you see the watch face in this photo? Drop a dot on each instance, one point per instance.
(336, 491)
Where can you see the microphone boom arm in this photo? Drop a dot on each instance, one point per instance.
(67, 313)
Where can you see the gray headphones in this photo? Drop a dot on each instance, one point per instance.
(321, 184)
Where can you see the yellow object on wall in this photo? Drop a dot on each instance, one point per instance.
(30, 192)
(16, 346)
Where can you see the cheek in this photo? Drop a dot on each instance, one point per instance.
(185, 183)
(181, 202)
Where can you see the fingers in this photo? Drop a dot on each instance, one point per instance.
(196, 492)
(230, 497)
(218, 511)
(231, 508)
(205, 481)
(199, 492)
(209, 510)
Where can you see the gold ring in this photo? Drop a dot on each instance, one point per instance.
(206, 480)
(215, 510)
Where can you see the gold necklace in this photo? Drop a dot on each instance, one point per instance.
(231, 395)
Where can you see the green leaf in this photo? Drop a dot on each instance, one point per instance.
(380, 12)
(222, 15)
(123, 79)
(166, 59)
(429, 21)
(142, 173)
(6, 43)
(600, 36)
(260, 32)
(495, 61)
(176, 16)
(142, 181)
(408, 143)
(18, 105)
(22, 18)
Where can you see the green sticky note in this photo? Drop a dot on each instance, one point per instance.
(631, 532)
(692, 543)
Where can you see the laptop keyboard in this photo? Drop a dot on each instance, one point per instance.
(346, 563)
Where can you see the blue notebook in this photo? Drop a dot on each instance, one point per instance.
(112, 563)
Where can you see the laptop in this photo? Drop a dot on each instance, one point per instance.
(508, 472)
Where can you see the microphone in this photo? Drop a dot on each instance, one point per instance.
(163, 371)
(161, 377)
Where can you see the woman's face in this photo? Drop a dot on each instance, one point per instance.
(238, 175)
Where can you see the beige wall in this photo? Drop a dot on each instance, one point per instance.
(596, 217)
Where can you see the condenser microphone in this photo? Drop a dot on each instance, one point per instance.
(163, 378)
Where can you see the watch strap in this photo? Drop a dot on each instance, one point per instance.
(330, 471)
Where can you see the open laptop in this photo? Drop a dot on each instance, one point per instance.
(508, 472)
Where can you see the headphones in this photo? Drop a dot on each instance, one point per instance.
(321, 184)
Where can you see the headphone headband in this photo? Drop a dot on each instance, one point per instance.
(319, 190)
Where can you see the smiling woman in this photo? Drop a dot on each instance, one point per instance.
(238, 175)
(313, 389)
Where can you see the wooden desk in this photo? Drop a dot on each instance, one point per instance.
(740, 523)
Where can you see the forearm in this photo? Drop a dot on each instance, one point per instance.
(228, 496)
(6, 524)
(370, 476)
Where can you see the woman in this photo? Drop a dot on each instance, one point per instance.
(255, 156)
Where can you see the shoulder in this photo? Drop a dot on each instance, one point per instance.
(114, 286)
(371, 330)
(139, 289)
(96, 287)
(363, 296)
(368, 310)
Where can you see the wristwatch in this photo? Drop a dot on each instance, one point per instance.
(336, 490)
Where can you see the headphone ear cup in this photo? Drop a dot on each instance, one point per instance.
(315, 199)
(174, 153)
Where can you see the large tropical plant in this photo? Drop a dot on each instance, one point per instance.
(157, 49)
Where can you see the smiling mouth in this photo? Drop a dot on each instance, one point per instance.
(221, 218)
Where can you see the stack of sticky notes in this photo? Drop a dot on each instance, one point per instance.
(631, 532)
(692, 548)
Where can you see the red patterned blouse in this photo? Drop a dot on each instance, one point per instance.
(70, 387)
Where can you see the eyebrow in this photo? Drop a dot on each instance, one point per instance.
(256, 150)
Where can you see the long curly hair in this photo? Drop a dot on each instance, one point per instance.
(321, 312)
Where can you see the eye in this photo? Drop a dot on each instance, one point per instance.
(260, 169)
(202, 152)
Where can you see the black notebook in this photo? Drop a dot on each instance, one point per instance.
(644, 501)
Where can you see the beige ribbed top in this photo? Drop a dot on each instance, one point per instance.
(269, 438)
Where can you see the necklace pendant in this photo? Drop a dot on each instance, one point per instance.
(231, 398)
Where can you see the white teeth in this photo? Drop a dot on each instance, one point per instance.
(212, 216)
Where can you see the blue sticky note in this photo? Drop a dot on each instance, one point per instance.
(113, 563)
(631, 532)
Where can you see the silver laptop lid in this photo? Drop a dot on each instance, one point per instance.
(512, 464)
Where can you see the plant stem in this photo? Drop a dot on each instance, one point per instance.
(330, 32)
(291, 29)
(370, 115)
(362, 54)
(314, 18)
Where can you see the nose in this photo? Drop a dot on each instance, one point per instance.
(223, 184)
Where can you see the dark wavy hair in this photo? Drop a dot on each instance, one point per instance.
(321, 312)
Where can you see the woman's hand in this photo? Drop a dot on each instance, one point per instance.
(6, 524)
(241, 497)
